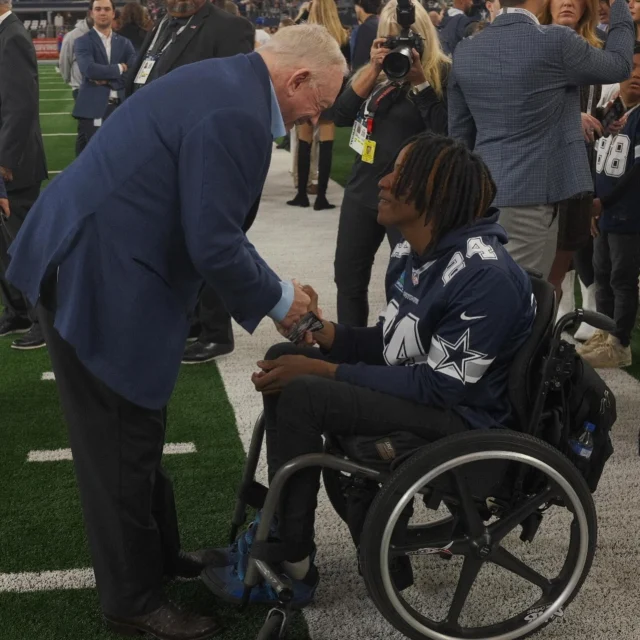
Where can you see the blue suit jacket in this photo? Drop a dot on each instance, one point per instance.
(520, 108)
(151, 209)
(94, 65)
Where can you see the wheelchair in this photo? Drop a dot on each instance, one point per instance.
(472, 499)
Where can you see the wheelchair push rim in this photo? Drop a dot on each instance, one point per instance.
(479, 547)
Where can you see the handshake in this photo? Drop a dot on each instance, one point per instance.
(304, 318)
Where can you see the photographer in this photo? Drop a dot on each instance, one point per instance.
(390, 110)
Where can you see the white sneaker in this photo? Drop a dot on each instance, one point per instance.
(586, 331)
(568, 302)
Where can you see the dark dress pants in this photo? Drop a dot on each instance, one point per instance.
(211, 317)
(359, 238)
(310, 406)
(127, 499)
(81, 138)
(20, 202)
(616, 263)
(86, 128)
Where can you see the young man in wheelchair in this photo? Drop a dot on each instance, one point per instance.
(436, 363)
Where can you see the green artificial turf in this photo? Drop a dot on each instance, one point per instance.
(40, 518)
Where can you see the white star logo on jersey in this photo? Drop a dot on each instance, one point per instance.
(455, 357)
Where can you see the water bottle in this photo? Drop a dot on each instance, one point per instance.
(583, 446)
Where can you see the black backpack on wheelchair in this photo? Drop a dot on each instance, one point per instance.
(481, 500)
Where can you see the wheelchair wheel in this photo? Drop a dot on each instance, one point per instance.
(496, 585)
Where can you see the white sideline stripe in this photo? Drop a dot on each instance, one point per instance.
(47, 580)
(55, 455)
(56, 99)
(48, 375)
(54, 172)
(59, 134)
(65, 89)
(57, 113)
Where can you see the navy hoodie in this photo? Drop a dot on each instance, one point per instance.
(456, 318)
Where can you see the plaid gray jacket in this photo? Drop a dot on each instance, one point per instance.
(514, 98)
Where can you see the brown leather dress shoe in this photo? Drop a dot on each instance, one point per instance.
(168, 622)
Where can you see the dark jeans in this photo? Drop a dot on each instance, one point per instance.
(86, 129)
(126, 497)
(310, 406)
(359, 238)
(20, 202)
(616, 262)
(583, 263)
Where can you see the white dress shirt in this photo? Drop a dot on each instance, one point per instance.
(106, 41)
(4, 16)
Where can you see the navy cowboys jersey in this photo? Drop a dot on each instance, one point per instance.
(616, 155)
(456, 318)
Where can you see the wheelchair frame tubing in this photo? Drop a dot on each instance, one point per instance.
(278, 483)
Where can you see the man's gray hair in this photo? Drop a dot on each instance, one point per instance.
(5, 3)
(305, 45)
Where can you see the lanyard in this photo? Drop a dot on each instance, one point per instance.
(592, 93)
(164, 22)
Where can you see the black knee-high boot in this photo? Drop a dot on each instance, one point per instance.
(304, 166)
(325, 155)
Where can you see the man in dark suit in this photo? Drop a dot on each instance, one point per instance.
(367, 14)
(195, 30)
(103, 58)
(22, 162)
(116, 250)
(455, 24)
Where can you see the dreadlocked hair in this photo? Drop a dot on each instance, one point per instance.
(444, 180)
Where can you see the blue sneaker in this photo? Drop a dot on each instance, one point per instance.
(238, 552)
(226, 584)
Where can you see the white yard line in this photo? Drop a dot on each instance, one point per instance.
(47, 580)
(56, 455)
(56, 113)
(70, 98)
(65, 89)
(48, 375)
(59, 134)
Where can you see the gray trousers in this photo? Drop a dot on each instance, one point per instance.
(533, 235)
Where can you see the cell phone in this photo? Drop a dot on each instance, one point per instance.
(308, 322)
(613, 114)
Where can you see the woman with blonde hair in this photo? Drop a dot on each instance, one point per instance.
(574, 223)
(383, 113)
(325, 13)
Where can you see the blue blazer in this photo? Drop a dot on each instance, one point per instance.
(94, 65)
(152, 209)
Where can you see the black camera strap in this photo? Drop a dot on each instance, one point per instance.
(390, 90)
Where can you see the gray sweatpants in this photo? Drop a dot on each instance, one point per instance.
(533, 235)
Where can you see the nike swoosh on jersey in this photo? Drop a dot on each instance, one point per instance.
(464, 316)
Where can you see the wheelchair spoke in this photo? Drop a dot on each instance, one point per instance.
(508, 523)
(508, 561)
(470, 514)
(468, 575)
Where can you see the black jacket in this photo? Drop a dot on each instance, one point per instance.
(453, 29)
(212, 33)
(21, 148)
(397, 119)
(136, 34)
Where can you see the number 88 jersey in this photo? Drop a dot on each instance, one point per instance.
(616, 156)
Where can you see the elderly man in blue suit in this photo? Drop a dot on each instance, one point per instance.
(115, 252)
(103, 58)
(520, 110)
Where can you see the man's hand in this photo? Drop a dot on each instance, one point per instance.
(124, 67)
(7, 174)
(618, 125)
(325, 337)
(596, 212)
(298, 308)
(4, 207)
(276, 374)
(590, 126)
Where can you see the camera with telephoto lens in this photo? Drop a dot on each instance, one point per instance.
(397, 63)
